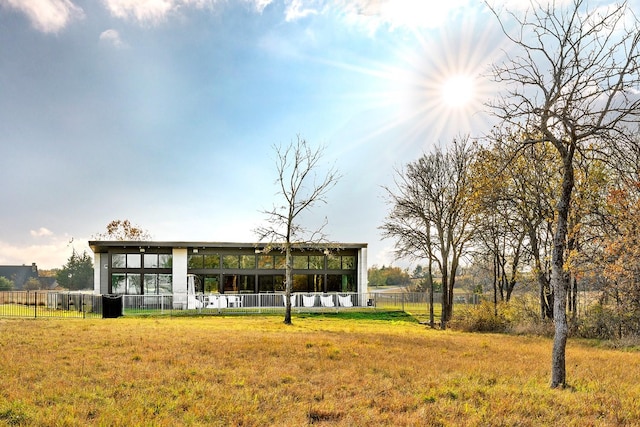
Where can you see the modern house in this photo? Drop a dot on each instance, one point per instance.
(166, 268)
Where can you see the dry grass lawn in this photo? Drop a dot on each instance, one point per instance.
(323, 370)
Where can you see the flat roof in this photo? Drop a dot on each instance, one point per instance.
(102, 246)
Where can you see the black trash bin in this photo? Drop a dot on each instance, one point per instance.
(111, 306)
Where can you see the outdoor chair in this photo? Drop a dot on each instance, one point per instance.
(345, 301)
(212, 301)
(327, 301)
(308, 300)
(234, 301)
(222, 301)
(193, 302)
(293, 300)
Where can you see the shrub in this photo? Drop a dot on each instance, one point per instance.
(527, 319)
(483, 318)
(520, 316)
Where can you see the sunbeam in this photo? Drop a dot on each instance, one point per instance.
(432, 87)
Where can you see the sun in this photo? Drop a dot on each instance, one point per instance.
(458, 91)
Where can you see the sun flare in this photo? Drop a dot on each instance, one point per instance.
(458, 91)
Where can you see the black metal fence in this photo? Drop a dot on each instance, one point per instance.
(50, 304)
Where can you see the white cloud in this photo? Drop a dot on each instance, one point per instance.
(156, 11)
(48, 16)
(401, 13)
(112, 37)
(259, 5)
(296, 10)
(152, 11)
(41, 232)
(51, 251)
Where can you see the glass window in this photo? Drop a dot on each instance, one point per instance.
(349, 262)
(300, 262)
(341, 283)
(230, 261)
(265, 283)
(150, 282)
(265, 261)
(150, 260)
(133, 284)
(118, 261)
(334, 282)
(333, 262)
(247, 261)
(195, 261)
(165, 261)
(212, 261)
(118, 283)
(300, 283)
(280, 262)
(230, 282)
(316, 262)
(247, 283)
(349, 283)
(165, 284)
(317, 282)
(211, 284)
(133, 260)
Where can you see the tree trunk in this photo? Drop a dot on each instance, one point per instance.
(451, 282)
(559, 278)
(495, 284)
(430, 279)
(288, 284)
(445, 299)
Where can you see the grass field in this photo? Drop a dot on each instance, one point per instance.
(351, 370)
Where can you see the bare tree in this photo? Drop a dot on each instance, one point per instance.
(572, 82)
(301, 188)
(431, 213)
(123, 230)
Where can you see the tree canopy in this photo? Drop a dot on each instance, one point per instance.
(123, 230)
(77, 273)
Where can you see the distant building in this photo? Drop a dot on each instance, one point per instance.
(19, 274)
(50, 284)
(162, 268)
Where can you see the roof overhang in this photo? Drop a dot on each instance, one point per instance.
(103, 246)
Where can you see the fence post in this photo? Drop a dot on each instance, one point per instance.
(35, 306)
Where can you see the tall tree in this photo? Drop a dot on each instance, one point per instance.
(123, 230)
(77, 273)
(431, 213)
(514, 188)
(571, 82)
(301, 187)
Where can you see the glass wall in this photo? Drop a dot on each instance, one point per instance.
(235, 270)
(141, 273)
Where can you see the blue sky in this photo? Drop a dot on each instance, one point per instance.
(165, 112)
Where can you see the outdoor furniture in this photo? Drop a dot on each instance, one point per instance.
(327, 301)
(234, 301)
(308, 300)
(222, 301)
(345, 301)
(211, 301)
(293, 300)
(193, 302)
